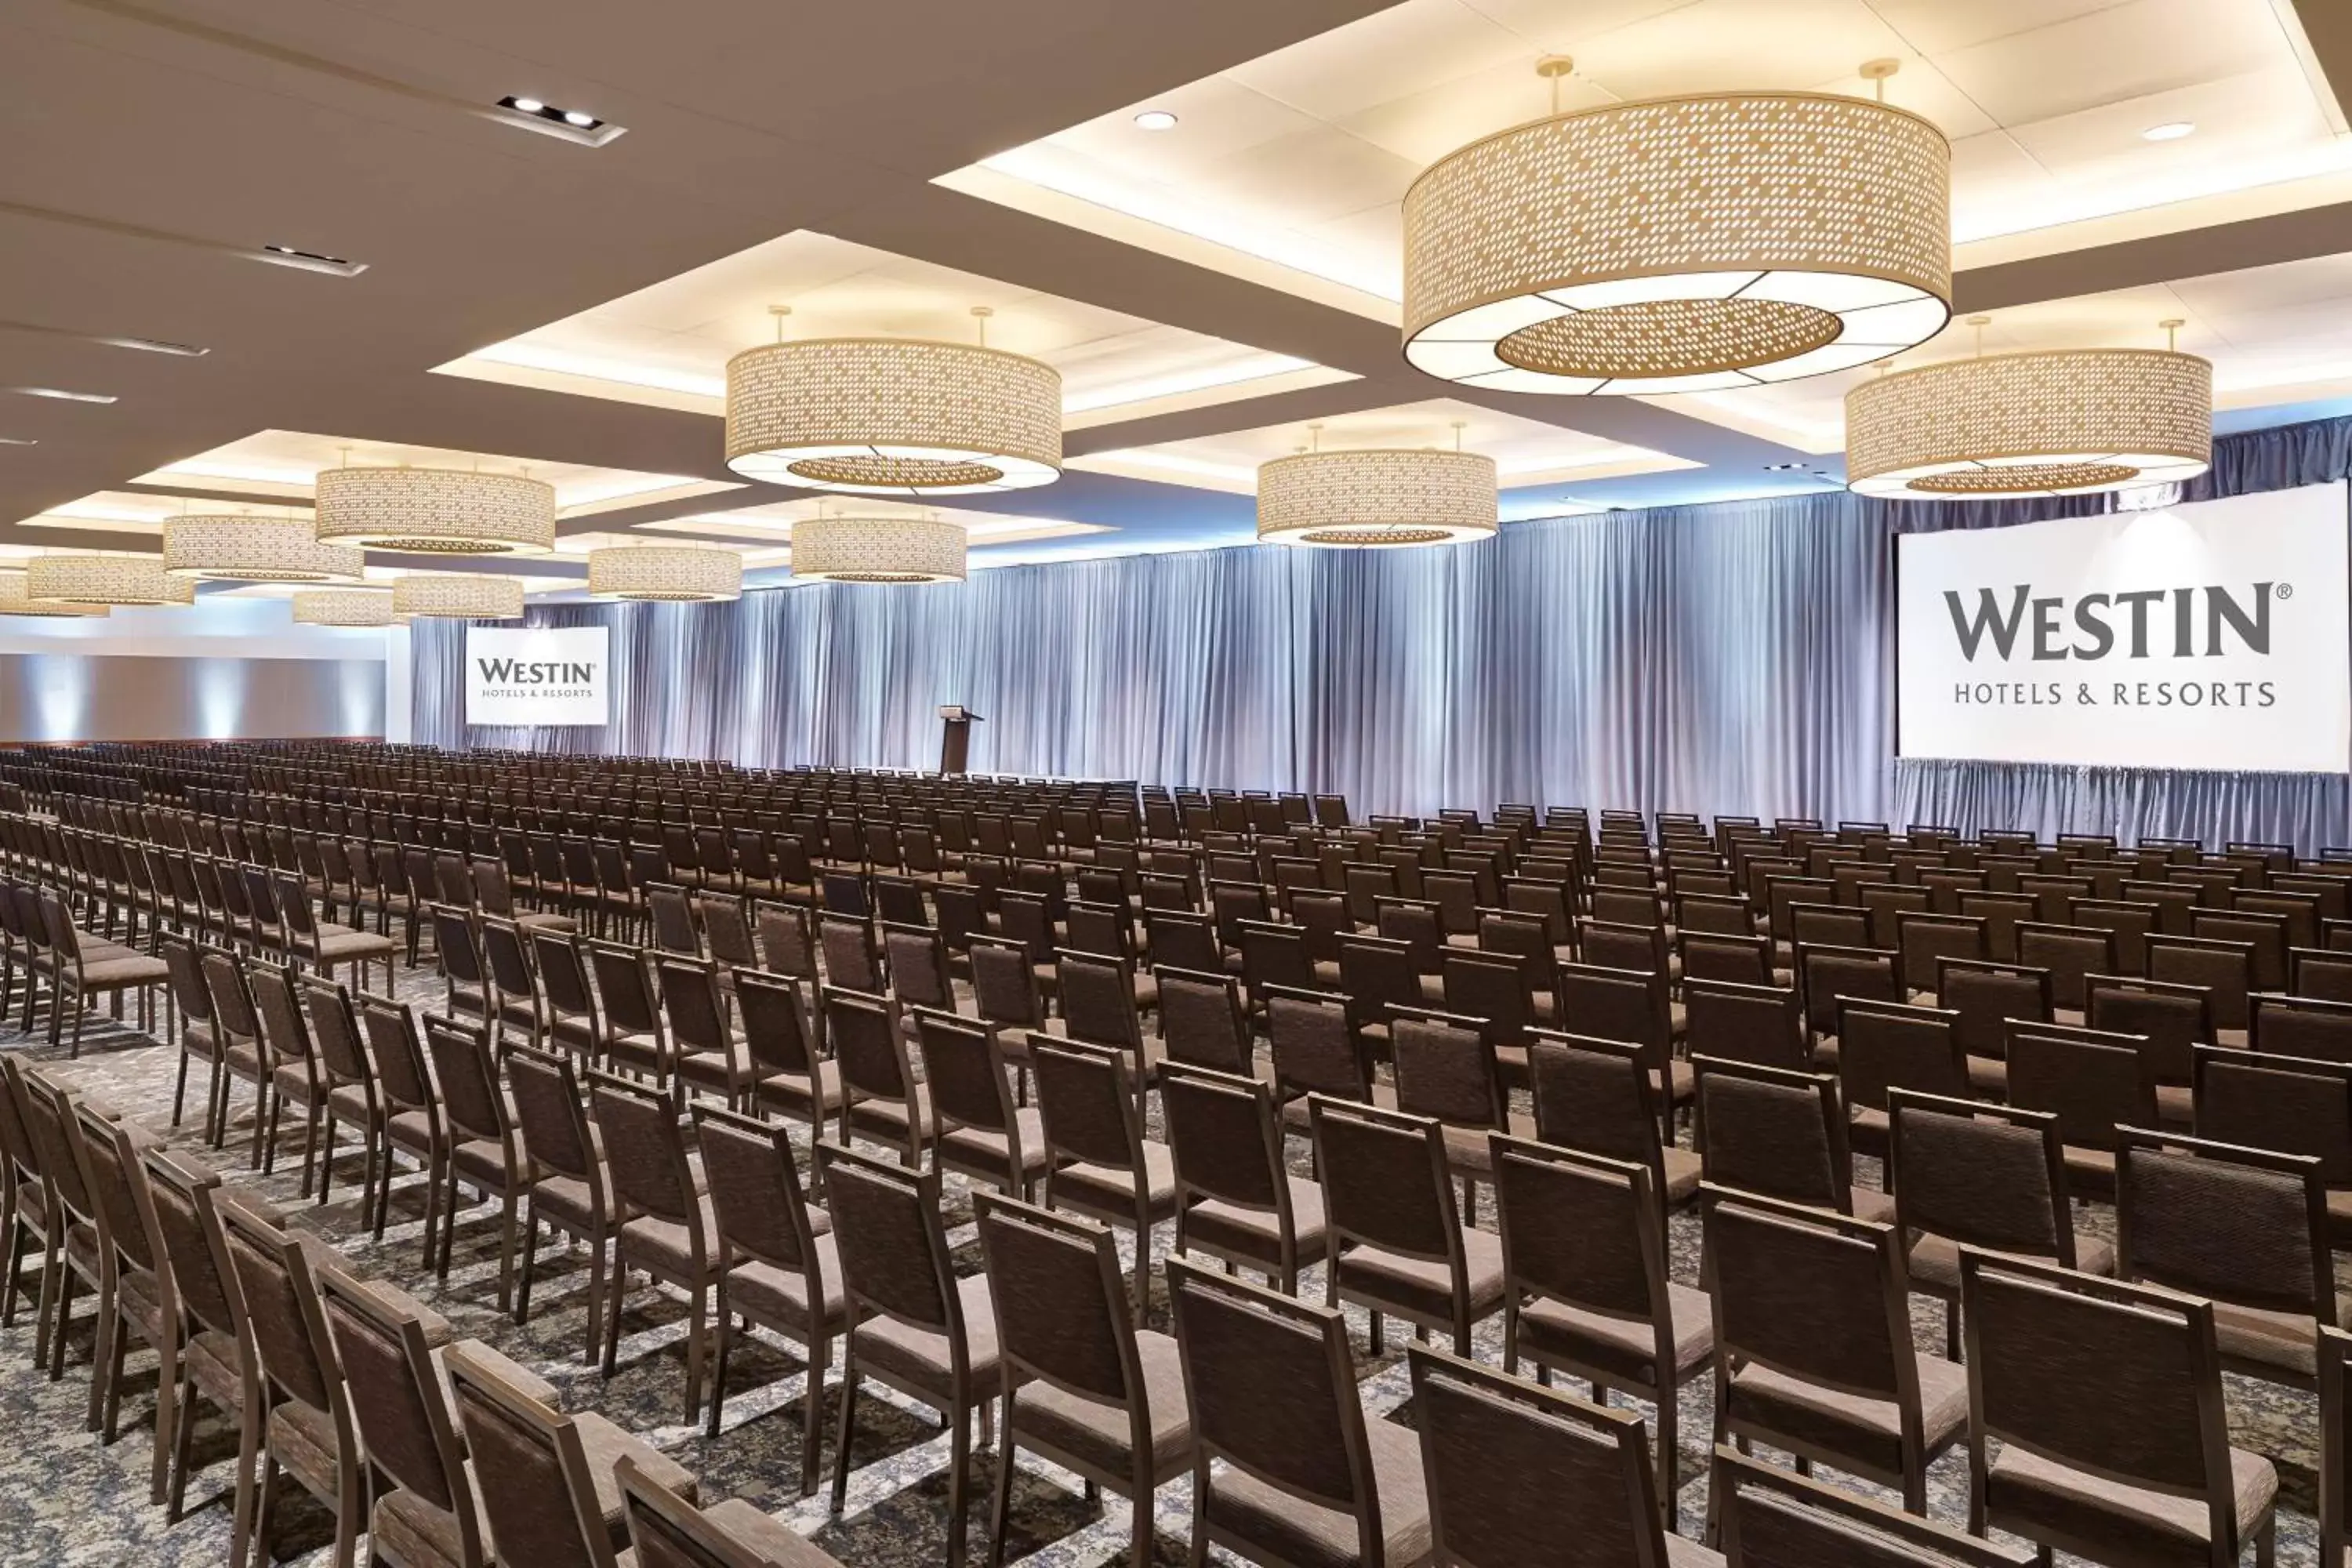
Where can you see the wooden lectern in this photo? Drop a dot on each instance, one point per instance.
(955, 743)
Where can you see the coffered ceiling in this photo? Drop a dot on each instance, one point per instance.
(476, 292)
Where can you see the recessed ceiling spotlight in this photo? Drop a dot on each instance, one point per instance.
(62, 396)
(571, 124)
(1155, 120)
(156, 346)
(18, 441)
(308, 260)
(2170, 130)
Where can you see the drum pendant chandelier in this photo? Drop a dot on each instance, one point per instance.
(1685, 244)
(898, 550)
(665, 573)
(255, 550)
(2060, 422)
(435, 511)
(1377, 498)
(458, 596)
(346, 607)
(132, 581)
(14, 601)
(893, 416)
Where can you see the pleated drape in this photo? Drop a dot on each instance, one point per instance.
(1722, 658)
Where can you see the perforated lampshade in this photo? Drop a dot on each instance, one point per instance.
(458, 596)
(665, 573)
(14, 601)
(2057, 422)
(878, 549)
(1376, 499)
(126, 580)
(1685, 244)
(893, 416)
(344, 607)
(435, 511)
(255, 550)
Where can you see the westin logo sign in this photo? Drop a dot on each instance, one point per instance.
(2149, 623)
(519, 678)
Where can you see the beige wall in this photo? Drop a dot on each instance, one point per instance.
(55, 696)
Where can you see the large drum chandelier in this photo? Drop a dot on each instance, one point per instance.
(893, 416)
(132, 581)
(435, 511)
(878, 549)
(1377, 498)
(15, 601)
(255, 550)
(669, 574)
(1680, 244)
(344, 607)
(458, 596)
(2059, 422)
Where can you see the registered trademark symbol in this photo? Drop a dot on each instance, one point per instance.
(2286, 590)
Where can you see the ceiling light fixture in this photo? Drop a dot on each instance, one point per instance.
(307, 261)
(128, 579)
(1680, 244)
(112, 339)
(435, 511)
(1377, 498)
(458, 596)
(666, 574)
(62, 396)
(344, 607)
(891, 549)
(2055, 422)
(893, 416)
(1155, 120)
(15, 601)
(2170, 130)
(19, 441)
(246, 549)
(570, 124)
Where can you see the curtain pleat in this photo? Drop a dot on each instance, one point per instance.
(1727, 658)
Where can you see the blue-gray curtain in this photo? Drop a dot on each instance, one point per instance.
(1721, 658)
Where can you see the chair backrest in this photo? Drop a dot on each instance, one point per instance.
(279, 1011)
(1385, 1181)
(2093, 1081)
(1204, 1019)
(755, 1190)
(1225, 1137)
(232, 1001)
(673, 919)
(1579, 1228)
(1926, 941)
(1775, 1518)
(1736, 1022)
(1596, 1095)
(870, 1047)
(276, 1303)
(1770, 1130)
(1314, 1045)
(787, 944)
(559, 959)
(469, 1075)
(2174, 1018)
(964, 1067)
(1617, 1005)
(917, 959)
(894, 1247)
(1086, 1103)
(624, 988)
(1098, 1000)
(692, 1003)
(180, 1190)
(2244, 1225)
(1004, 984)
(645, 1153)
(775, 1029)
(2294, 1104)
(2118, 1379)
(1982, 995)
(667, 1531)
(396, 1395)
(1062, 1310)
(1889, 1045)
(460, 947)
(531, 1465)
(184, 964)
(1831, 974)
(1983, 1175)
(1443, 1066)
(2303, 1026)
(1485, 1436)
(1811, 1294)
(2226, 969)
(551, 1117)
(1272, 1386)
(397, 1046)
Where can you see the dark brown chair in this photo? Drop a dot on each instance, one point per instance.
(778, 1267)
(1735, 1022)
(1083, 1386)
(1887, 1045)
(1101, 1164)
(1782, 1134)
(666, 1530)
(913, 1325)
(2226, 970)
(2303, 1026)
(1586, 1290)
(1398, 1246)
(1286, 1465)
(534, 1473)
(2290, 1104)
(1484, 1433)
(2246, 1228)
(1982, 997)
(1773, 1518)
(665, 1226)
(570, 1189)
(200, 1355)
(1204, 1020)
(1444, 1067)
(2105, 1401)
(2094, 1082)
(486, 1151)
(347, 1078)
(794, 1082)
(1813, 1353)
(1624, 1005)
(708, 1052)
(1235, 1198)
(632, 1035)
(977, 1130)
(412, 1109)
(1596, 1096)
(2174, 1019)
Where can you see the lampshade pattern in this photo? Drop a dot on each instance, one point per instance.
(1377, 498)
(344, 607)
(458, 596)
(878, 550)
(126, 580)
(255, 550)
(664, 573)
(435, 511)
(15, 601)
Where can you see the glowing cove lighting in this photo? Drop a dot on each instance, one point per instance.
(1688, 244)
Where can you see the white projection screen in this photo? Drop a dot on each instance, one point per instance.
(2212, 635)
(537, 675)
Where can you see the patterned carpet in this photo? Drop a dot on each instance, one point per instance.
(66, 1499)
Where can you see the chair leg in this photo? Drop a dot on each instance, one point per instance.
(1000, 1515)
(812, 1414)
(264, 1511)
(65, 1318)
(695, 1350)
(183, 1427)
(598, 1305)
(1670, 1459)
(959, 1463)
(848, 1426)
(613, 1315)
(529, 1257)
(507, 1201)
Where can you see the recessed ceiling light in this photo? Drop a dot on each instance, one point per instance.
(554, 120)
(155, 346)
(308, 260)
(574, 117)
(62, 396)
(1155, 120)
(528, 105)
(2170, 130)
